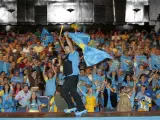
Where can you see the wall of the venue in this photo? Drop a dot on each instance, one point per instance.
(7, 17)
(85, 11)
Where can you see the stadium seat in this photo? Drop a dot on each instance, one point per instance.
(44, 103)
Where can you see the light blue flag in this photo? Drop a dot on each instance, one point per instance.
(83, 37)
(140, 60)
(126, 63)
(155, 62)
(114, 66)
(92, 56)
(46, 37)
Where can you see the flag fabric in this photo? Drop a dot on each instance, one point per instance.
(91, 55)
(140, 60)
(46, 37)
(114, 66)
(155, 61)
(126, 63)
(84, 38)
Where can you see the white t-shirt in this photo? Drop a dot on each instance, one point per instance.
(24, 97)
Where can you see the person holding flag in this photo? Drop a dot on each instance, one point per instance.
(71, 72)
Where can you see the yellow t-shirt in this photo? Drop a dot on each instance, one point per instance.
(38, 49)
(90, 103)
(125, 37)
(1, 92)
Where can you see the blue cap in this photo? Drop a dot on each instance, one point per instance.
(148, 93)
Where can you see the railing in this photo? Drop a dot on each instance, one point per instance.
(62, 115)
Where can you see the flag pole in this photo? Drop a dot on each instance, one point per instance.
(61, 30)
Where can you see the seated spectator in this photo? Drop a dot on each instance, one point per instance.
(23, 96)
(33, 104)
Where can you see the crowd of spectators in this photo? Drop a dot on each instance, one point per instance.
(31, 75)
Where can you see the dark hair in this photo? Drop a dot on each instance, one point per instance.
(121, 88)
(35, 99)
(24, 85)
(58, 88)
(15, 88)
(65, 44)
(116, 76)
(109, 81)
(8, 88)
(142, 75)
(125, 79)
(2, 72)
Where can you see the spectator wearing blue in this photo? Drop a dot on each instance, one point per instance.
(50, 80)
(18, 77)
(84, 81)
(7, 99)
(144, 81)
(33, 105)
(156, 82)
(71, 72)
(110, 96)
(6, 65)
(128, 81)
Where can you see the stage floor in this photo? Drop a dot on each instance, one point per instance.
(88, 115)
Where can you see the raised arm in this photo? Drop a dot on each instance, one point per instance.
(83, 93)
(150, 79)
(69, 43)
(53, 67)
(61, 43)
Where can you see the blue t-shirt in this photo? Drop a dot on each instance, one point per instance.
(1, 64)
(74, 57)
(6, 67)
(139, 84)
(95, 78)
(34, 105)
(17, 79)
(51, 86)
(86, 80)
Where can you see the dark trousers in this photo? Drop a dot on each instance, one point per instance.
(69, 90)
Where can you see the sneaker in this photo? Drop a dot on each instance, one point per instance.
(80, 113)
(70, 110)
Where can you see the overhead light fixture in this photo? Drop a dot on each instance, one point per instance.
(11, 10)
(70, 10)
(136, 9)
